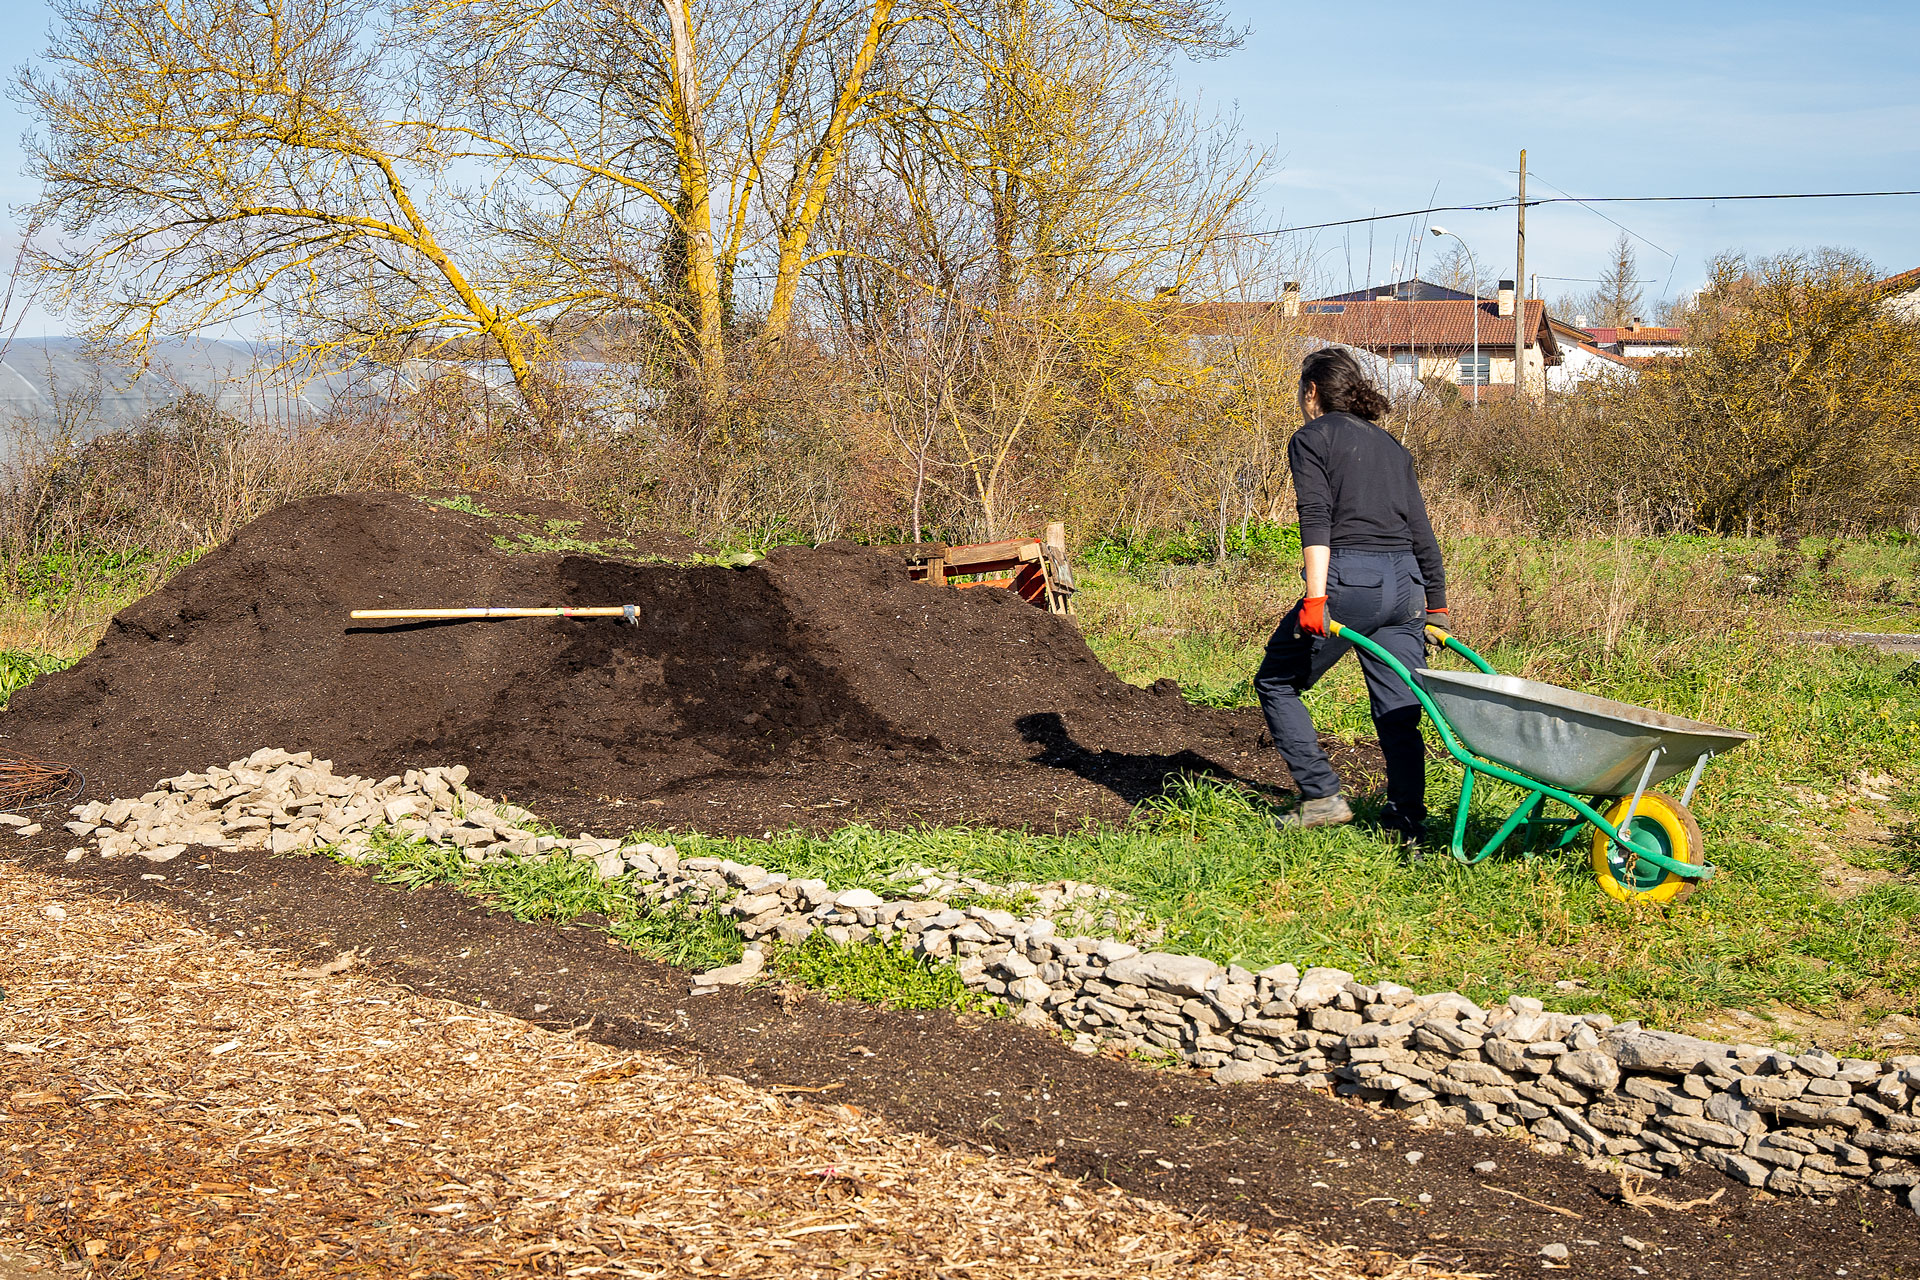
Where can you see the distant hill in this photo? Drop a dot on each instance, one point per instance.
(60, 386)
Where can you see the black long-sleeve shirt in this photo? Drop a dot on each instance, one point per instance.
(1356, 489)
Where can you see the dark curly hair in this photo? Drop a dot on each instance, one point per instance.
(1342, 384)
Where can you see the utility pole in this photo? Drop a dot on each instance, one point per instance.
(1520, 284)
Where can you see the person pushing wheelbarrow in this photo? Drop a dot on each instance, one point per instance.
(1371, 561)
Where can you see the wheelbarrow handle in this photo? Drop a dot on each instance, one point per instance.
(1446, 638)
(1453, 642)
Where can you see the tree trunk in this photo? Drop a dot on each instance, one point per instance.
(690, 145)
(808, 195)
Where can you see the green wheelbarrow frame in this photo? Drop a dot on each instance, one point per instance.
(1527, 817)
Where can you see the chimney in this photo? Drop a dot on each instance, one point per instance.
(1580, 322)
(1290, 298)
(1506, 297)
(1633, 322)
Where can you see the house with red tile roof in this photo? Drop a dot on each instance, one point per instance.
(1584, 362)
(1415, 331)
(1902, 293)
(1635, 341)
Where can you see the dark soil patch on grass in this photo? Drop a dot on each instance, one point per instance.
(1271, 1154)
(815, 687)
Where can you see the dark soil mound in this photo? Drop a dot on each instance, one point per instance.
(817, 684)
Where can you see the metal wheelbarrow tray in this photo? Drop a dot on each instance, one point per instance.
(1598, 757)
(1576, 741)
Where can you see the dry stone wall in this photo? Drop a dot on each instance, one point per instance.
(1580, 1083)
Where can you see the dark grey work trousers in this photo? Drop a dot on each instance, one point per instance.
(1381, 595)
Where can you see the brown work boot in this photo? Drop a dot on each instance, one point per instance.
(1326, 811)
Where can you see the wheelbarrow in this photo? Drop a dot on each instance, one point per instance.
(1597, 757)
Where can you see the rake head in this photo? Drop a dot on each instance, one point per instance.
(24, 779)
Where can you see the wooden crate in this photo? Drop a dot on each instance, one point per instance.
(1034, 570)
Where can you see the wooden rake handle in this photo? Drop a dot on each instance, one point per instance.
(628, 612)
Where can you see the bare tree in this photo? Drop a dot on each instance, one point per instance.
(208, 159)
(1458, 272)
(1616, 299)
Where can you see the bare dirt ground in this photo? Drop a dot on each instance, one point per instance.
(181, 1104)
(1271, 1157)
(177, 1103)
(819, 687)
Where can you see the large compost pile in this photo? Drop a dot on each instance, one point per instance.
(816, 685)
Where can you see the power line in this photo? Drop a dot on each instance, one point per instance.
(1671, 257)
(1587, 279)
(1499, 205)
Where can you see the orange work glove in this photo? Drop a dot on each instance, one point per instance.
(1313, 615)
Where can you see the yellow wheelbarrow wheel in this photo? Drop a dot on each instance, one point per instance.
(1673, 829)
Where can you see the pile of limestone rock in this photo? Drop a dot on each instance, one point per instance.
(1653, 1101)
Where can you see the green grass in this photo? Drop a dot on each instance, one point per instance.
(1206, 869)
(562, 890)
(882, 973)
(1204, 864)
(19, 668)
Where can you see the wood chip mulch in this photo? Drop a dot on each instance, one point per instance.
(175, 1103)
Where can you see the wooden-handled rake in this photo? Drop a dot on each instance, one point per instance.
(626, 612)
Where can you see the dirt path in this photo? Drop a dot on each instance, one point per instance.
(1268, 1156)
(1889, 641)
(179, 1104)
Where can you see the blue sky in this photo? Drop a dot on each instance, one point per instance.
(1377, 107)
(1383, 106)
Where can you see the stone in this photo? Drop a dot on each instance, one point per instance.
(1818, 1065)
(31, 829)
(1662, 1051)
(855, 899)
(1379, 1033)
(1728, 1109)
(1588, 1068)
(1441, 1035)
(793, 931)
(1319, 986)
(166, 853)
(1765, 1092)
(1554, 1252)
(1577, 1125)
(749, 967)
(1897, 1144)
(1029, 989)
(1015, 965)
(1550, 1129)
(1183, 975)
(1240, 1071)
(1504, 1054)
(1815, 1116)
(1719, 1135)
(1747, 1172)
(1334, 1021)
(1477, 1073)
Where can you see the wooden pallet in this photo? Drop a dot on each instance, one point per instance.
(1034, 569)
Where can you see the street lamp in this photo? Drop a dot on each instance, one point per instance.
(1475, 268)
